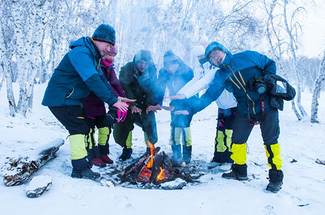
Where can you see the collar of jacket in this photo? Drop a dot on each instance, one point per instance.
(97, 52)
(225, 61)
(105, 63)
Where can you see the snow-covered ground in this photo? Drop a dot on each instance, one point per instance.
(302, 193)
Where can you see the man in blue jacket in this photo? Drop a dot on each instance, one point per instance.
(242, 74)
(78, 73)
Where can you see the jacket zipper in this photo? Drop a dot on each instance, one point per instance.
(241, 84)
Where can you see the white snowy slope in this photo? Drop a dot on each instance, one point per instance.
(302, 193)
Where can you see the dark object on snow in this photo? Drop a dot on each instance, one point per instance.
(17, 170)
(320, 161)
(293, 161)
(38, 186)
(126, 154)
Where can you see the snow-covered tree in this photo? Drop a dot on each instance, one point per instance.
(317, 89)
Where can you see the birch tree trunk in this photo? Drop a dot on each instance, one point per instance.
(289, 30)
(273, 31)
(5, 55)
(316, 93)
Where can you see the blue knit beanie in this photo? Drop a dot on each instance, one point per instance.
(105, 33)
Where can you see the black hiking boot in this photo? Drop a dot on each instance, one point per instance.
(176, 159)
(187, 154)
(81, 169)
(238, 172)
(126, 154)
(85, 174)
(276, 180)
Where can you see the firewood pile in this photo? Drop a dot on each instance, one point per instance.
(154, 170)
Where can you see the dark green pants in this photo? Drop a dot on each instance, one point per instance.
(146, 121)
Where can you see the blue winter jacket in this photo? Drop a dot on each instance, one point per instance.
(77, 74)
(174, 82)
(234, 74)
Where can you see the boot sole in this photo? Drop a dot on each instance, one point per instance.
(235, 178)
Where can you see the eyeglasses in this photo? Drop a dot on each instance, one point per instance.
(109, 45)
(213, 54)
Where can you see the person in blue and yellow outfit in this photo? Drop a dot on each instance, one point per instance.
(174, 75)
(75, 77)
(242, 74)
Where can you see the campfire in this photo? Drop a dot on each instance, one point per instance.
(151, 167)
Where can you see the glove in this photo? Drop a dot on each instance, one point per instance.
(111, 117)
(121, 116)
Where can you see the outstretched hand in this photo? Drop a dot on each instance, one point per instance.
(123, 99)
(177, 97)
(135, 109)
(121, 105)
(181, 112)
(168, 108)
(153, 108)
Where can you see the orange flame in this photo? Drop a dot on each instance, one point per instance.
(160, 175)
(152, 148)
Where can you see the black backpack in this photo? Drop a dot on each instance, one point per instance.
(280, 90)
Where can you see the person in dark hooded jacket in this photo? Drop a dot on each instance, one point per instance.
(242, 74)
(96, 112)
(138, 79)
(175, 75)
(75, 77)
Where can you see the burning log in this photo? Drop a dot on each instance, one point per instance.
(17, 170)
(161, 169)
(133, 170)
(155, 170)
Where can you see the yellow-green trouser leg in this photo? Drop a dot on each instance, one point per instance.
(146, 138)
(127, 149)
(273, 154)
(187, 147)
(103, 136)
(91, 145)
(91, 139)
(78, 146)
(239, 153)
(78, 157)
(228, 133)
(222, 142)
(129, 140)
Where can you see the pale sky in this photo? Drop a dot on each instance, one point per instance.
(314, 30)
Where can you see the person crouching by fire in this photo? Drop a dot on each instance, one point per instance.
(98, 154)
(138, 79)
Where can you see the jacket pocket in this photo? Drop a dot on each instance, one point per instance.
(71, 92)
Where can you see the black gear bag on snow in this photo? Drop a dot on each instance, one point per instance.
(279, 90)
